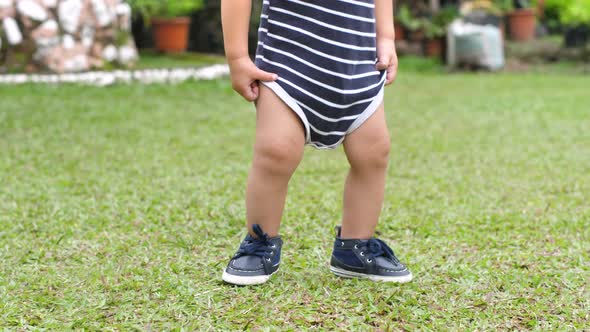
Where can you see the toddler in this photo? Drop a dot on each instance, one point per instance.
(318, 79)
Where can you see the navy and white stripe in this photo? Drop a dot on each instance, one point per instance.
(325, 54)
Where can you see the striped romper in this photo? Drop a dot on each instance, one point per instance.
(324, 53)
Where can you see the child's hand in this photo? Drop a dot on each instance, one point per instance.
(245, 76)
(387, 58)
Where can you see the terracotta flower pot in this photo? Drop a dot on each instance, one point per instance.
(433, 47)
(522, 24)
(171, 34)
(417, 36)
(399, 32)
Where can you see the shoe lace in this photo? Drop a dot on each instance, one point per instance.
(255, 246)
(377, 248)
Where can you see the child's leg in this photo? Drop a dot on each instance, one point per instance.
(280, 140)
(367, 150)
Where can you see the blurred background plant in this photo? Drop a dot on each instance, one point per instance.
(503, 6)
(171, 21)
(407, 19)
(571, 12)
(522, 4)
(162, 8)
(571, 18)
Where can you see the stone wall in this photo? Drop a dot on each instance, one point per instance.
(67, 35)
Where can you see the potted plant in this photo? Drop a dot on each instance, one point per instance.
(435, 30)
(170, 21)
(501, 8)
(400, 33)
(433, 41)
(522, 19)
(411, 23)
(401, 16)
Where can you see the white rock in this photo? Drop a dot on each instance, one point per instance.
(20, 78)
(49, 25)
(12, 31)
(69, 78)
(69, 12)
(109, 53)
(31, 9)
(125, 76)
(50, 3)
(123, 9)
(105, 79)
(87, 36)
(76, 63)
(102, 13)
(68, 42)
(5, 3)
(149, 76)
(127, 54)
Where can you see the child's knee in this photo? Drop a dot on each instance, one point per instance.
(278, 156)
(373, 156)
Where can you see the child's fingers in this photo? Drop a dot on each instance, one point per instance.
(252, 90)
(245, 78)
(250, 93)
(248, 90)
(262, 75)
(254, 87)
(391, 74)
(383, 63)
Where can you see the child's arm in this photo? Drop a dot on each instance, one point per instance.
(386, 53)
(235, 17)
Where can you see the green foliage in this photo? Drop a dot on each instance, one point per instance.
(571, 12)
(558, 5)
(165, 8)
(436, 26)
(522, 3)
(496, 7)
(504, 6)
(433, 27)
(433, 30)
(446, 15)
(405, 17)
(121, 38)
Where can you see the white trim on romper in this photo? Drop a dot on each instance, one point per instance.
(292, 103)
(372, 108)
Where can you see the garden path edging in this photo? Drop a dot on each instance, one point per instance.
(106, 78)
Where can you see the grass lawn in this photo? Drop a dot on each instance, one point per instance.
(120, 206)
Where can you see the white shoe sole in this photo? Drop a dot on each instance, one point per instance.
(349, 274)
(245, 280)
